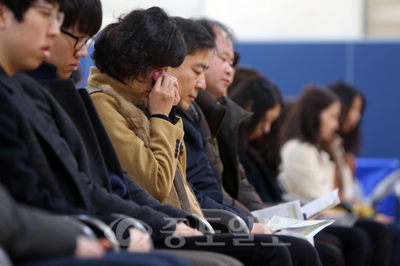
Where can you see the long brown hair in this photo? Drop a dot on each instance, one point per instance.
(347, 93)
(304, 117)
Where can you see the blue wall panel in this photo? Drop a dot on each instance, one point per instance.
(292, 66)
(377, 74)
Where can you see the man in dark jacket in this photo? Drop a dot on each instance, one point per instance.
(219, 118)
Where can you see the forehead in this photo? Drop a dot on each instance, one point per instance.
(198, 59)
(47, 3)
(333, 107)
(224, 44)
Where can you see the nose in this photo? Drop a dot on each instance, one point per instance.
(201, 83)
(336, 125)
(267, 128)
(228, 69)
(83, 52)
(54, 29)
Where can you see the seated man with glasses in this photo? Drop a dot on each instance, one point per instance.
(76, 36)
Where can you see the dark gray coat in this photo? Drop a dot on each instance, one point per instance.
(25, 233)
(64, 168)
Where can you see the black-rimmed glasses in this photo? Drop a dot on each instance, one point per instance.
(80, 41)
(51, 14)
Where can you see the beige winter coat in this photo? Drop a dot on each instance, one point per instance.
(151, 150)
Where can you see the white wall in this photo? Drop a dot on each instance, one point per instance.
(263, 20)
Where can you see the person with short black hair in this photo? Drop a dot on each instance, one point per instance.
(141, 42)
(147, 138)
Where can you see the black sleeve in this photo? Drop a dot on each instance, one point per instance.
(27, 233)
(170, 118)
(142, 197)
(15, 174)
(207, 203)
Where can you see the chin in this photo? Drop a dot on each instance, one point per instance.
(183, 106)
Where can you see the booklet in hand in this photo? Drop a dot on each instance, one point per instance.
(321, 204)
(289, 218)
(297, 228)
(294, 210)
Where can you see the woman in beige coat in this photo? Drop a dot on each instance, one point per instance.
(137, 108)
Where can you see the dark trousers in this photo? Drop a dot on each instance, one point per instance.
(250, 249)
(380, 239)
(329, 254)
(395, 236)
(354, 242)
(115, 259)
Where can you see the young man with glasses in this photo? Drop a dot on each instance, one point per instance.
(77, 31)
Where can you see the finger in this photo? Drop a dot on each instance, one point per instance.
(173, 78)
(176, 83)
(159, 80)
(105, 243)
(165, 80)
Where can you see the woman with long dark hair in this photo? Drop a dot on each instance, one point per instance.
(307, 170)
(353, 105)
(258, 145)
(310, 166)
(347, 145)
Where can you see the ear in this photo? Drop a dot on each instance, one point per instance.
(3, 15)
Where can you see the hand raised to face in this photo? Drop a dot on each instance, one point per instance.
(164, 95)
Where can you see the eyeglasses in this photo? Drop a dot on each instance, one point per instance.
(80, 41)
(51, 14)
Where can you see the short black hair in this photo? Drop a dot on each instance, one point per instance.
(196, 36)
(19, 7)
(141, 40)
(85, 15)
(210, 26)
